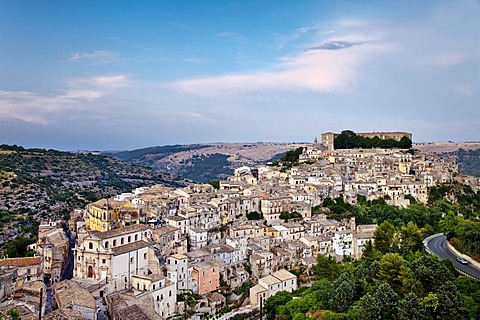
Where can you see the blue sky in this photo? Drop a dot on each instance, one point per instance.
(103, 75)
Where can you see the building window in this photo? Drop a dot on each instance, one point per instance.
(153, 287)
(114, 242)
(129, 239)
(145, 256)
(131, 260)
(90, 245)
(106, 244)
(136, 237)
(121, 241)
(169, 293)
(104, 261)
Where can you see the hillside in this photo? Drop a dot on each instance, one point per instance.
(469, 162)
(205, 162)
(37, 184)
(467, 154)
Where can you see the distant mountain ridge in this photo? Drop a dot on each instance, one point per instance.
(205, 162)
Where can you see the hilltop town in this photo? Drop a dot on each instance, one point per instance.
(218, 249)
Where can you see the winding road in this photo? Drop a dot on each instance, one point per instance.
(437, 245)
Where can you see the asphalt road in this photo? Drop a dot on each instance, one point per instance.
(438, 246)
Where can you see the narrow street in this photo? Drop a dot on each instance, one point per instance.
(68, 272)
(49, 304)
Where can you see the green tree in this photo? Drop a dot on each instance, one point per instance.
(274, 302)
(254, 215)
(411, 308)
(13, 314)
(431, 272)
(379, 304)
(449, 224)
(342, 294)
(395, 272)
(370, 253)
(449, 306)
(411, 238)
(215, 184)
(385, 237)
(18, 247)
(326, 268)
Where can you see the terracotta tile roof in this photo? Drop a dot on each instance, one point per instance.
(20, 262)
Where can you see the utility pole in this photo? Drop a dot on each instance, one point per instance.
(40, 307)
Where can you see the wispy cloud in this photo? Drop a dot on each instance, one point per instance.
(95, 57)
(323, 68)
(336, 45)
(42, 109)
(464, 90)
(237, 37)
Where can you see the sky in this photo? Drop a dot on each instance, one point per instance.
(112, 75)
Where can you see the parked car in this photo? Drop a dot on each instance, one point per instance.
(462, 260)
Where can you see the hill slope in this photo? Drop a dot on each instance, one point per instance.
(205, 162)
(39, 184)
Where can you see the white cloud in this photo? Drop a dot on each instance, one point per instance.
(315, 70)
(95, 57)
(464, 90)
(75, 98)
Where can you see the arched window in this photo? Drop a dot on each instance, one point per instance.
(90, 245)
(121, 241)
(129, 239)
(136, 237)
(106, 244)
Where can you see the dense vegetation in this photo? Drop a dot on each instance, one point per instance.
(160, 152)
(387, 285)
(469, 162)
(204, 168)
(395, 278)
(289, 159)
(377, 211)
(350, 140)
(292, 156)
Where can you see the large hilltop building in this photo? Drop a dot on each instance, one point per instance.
(328, 138)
